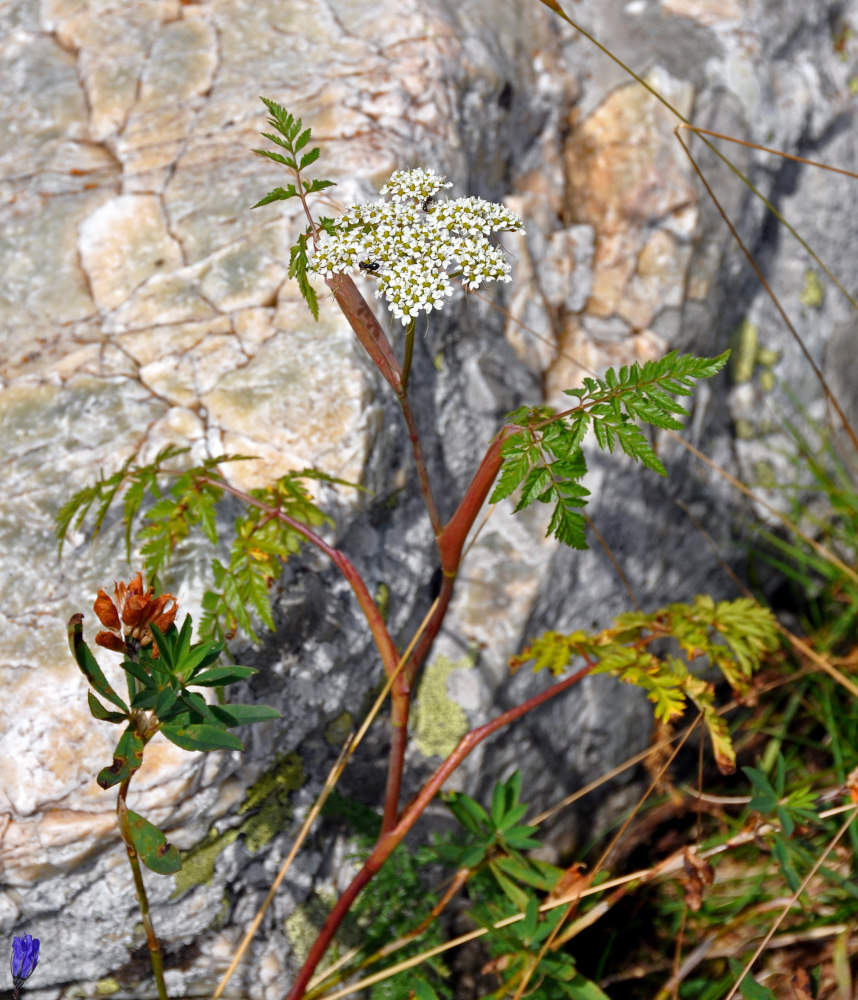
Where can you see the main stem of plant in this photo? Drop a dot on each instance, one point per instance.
(450, 538)
(151, 939)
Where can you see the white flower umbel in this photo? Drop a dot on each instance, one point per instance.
(413, 244)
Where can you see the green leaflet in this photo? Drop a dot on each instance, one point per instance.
(181, 501)
(543, 460)
(733, 635)
(127, 758)
(89, 665)
(152, 846)
(289, 135)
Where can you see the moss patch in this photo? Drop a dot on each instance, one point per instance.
(337, 730)
(304, 923)
(438, 722)
(745, 342)
(198, 863)
(269, 801)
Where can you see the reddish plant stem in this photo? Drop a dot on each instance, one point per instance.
(452, 539)
(396, 763)
(383, 640)
(433, 627)
(451, 542)
(374, 341)
(420, 462)
(388, 841)
(400, 709)
(366, 328)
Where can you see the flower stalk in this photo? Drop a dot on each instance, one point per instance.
(152, 942)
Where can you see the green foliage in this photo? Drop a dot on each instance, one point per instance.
(93, 672)
(791, 809)
(291, 138)
(298, 264)
(797, 808)
(159, 681)
(392, 907)
(489, 834)
(544, 461)
(135, 480)
(804, 735)
(156, 853)
(127, 757)
(732, 635)
(823, 502)
(505, 883)
(750, 988)
(173, 502)
(262, 542)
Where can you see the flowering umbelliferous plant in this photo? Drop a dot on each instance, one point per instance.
(25, 958)
(413, 246)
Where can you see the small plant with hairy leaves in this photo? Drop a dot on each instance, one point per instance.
(161, 666)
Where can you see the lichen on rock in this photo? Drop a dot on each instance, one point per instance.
(439, 722)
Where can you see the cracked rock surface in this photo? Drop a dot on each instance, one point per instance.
(142, 303)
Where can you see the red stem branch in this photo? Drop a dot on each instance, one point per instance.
(451, 542)
(366, 328)
(374, 341)
(388, 841)
(452, 539)
(396, 764)
(386, 647)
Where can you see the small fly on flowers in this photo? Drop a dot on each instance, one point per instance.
(370, 266)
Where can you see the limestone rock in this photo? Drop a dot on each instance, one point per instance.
(143, 303)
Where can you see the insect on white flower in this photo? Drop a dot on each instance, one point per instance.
(413, 243)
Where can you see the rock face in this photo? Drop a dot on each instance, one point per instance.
(142, 303)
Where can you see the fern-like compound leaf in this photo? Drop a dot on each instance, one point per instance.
(544, 460)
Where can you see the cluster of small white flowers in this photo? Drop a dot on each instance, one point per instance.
(414, 244)
(417, 183)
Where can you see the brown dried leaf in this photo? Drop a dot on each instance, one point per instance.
(699, 875)
(800, 983)
(852, 785)
(570, 883)
(110, 641)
